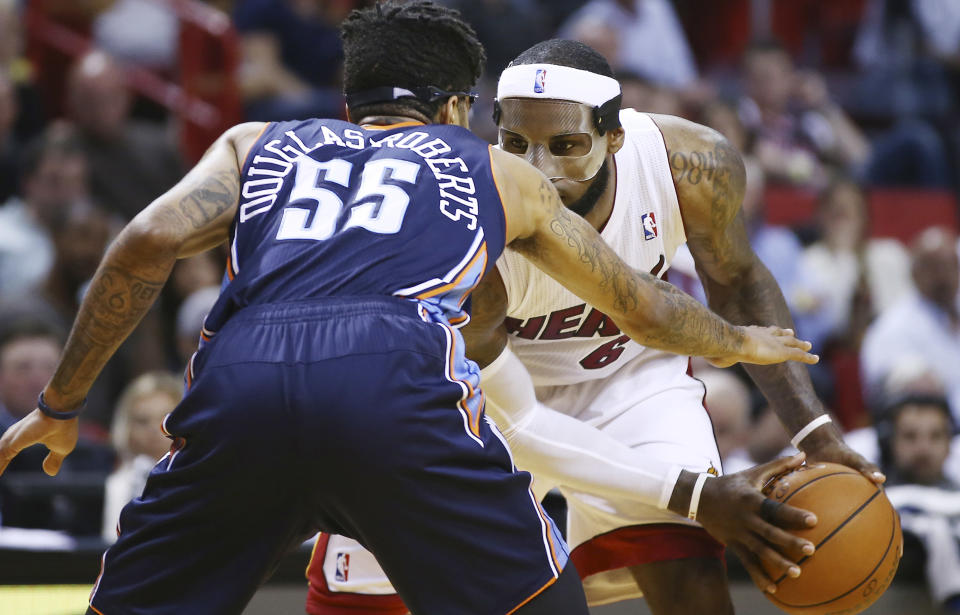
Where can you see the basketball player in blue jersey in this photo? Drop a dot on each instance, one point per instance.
(330, 390)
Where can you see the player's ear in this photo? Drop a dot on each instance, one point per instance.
(452, 112)
(615, 139)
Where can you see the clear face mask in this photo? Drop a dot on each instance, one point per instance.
(558, 137)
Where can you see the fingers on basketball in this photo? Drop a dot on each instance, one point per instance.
(752, 564)
(774, 532)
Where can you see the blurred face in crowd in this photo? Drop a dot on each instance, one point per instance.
(843, 217)
(81, 241)
(99, 100)
(26, 365)
(769, 75)
(59, 179)
(936, 271)
(144, 419)
(724, 119)
(650, 98)
(753, 194)
(921, 443)
(11, 39)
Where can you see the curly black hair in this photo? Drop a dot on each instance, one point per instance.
(408, 44)
(561, 52)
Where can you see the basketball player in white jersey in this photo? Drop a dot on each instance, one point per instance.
(620, 429)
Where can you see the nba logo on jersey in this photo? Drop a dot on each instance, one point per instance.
(540, 81)
(649, 226)
(343, 567)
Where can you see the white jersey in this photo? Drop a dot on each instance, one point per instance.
(561, 339)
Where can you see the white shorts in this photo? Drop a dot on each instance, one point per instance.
(657, 408)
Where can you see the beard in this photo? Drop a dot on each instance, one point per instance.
(588, 201)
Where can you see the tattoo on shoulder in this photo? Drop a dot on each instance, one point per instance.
(721, 168)
(214, 195)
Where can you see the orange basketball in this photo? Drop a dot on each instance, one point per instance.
(857, 538)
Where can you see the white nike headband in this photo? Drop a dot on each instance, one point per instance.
(557, 82)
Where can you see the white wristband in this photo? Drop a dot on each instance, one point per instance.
(695, 496)
(823, 419)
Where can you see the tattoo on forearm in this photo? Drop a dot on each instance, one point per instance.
(592, 251)
(119, 300)
(787, 386)
(693, 329)
(211, 198)
(115, 303)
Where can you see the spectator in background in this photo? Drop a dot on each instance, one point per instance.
(138, 439)
(189, 276)
(28, 355)
(915, 435)
(644, 95)
(29, 350)
(18, 70)
(924, 323)
(54, 177)
(131, 162)
(9, 146)
(292, 58)
(647, 38)
(846, 278)
(139, 31)
(798, 128)
(80, 234)
(904, 48)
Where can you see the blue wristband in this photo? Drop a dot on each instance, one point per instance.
(61, 416)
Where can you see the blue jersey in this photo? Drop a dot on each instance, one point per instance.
(336, 366)
(328, 208)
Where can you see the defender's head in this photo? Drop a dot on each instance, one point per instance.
(558, 107)
(412, 59)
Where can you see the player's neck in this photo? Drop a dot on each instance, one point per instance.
(389, 120)
(600, 214)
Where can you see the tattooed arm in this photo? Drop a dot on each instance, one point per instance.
(710, 180)
(193, 216)
(650, 311)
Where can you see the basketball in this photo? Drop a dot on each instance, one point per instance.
(857, 539)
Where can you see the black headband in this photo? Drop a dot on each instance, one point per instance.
(384, 94)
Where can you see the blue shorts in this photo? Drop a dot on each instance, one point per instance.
(358, 416)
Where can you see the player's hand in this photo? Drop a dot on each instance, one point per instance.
(829, 446)
(766, 345)
(732, 510)
(59, 436)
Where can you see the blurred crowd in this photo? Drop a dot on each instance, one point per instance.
(837, 104)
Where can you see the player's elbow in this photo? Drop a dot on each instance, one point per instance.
(149, 239)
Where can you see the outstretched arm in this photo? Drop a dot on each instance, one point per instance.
(563, 450)
(193, 216)
(652, 312)
(710, 180)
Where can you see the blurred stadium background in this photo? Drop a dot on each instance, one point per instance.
(846, 112)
